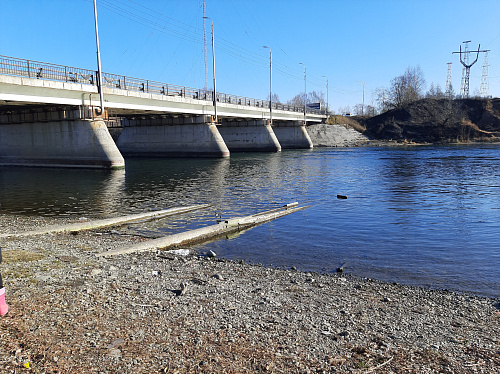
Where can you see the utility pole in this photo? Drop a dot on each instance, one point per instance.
(449, 87)
(363, 107)
(99, 73)
(205, 45)
(270, 84)
(467, 67)
(213, 63)
(305, 91)
(484, 77)
(326, 95)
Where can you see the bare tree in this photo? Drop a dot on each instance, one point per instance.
(382, 99)
(276, 98)
(406, 88)
(357, 110)
(370, 110)
(312, 97)
(345, 111)
(435, 92)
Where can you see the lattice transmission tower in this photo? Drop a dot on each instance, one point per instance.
(449, 86)
(466, 60)
(484, 78)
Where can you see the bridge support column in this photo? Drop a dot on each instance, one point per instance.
(58, 137)
(249, 135)
(292, 134)
(153, 136)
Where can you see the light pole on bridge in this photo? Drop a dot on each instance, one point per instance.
(99, 76)
(305, 91)
(363, 107)
(326, 95)
(271, 84)
(213, 64)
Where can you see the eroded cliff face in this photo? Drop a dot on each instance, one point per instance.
(438, 121)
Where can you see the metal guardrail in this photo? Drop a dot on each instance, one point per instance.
(42, 70)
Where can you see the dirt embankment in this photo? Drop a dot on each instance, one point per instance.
(438, 121)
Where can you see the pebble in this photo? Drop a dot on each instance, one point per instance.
(281, 315)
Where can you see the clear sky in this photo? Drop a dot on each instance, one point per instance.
(347, 41)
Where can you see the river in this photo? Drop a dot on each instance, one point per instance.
(426, 216)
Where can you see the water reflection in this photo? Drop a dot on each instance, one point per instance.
(56, 192)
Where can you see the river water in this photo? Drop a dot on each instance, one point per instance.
(426, 216)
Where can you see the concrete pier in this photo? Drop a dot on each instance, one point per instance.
(249, 135)
(171, 136)
(292, 134)
(57, 137)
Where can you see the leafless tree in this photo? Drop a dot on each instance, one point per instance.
(276, 98)
(435, 92)
(406, 88)
(312, 97)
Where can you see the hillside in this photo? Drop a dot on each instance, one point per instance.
(438, 121)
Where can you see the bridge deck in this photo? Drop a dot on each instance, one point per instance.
(25, 83)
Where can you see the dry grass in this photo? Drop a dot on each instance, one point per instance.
(18, 255)
(348, 122)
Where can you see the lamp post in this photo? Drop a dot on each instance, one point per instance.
(326, 94)
(270, 84)
(363, 107)
(305, 91)
(99, 78)
(213, 63)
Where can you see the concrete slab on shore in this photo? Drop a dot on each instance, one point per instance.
(221, 228)
(108, 222)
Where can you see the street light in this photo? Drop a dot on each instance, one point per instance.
(326, 94)
(363, 107)
(271, 83)
(213, 64)
(99, 78)
(305, 91)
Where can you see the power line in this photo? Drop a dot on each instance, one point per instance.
(157, 21)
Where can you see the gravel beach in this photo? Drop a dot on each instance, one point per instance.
(162, 312)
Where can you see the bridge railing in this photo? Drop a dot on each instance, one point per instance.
(42, 70)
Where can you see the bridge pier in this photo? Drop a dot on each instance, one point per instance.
(171, 136)
(59, 137)
(292, 134)
(249, 135)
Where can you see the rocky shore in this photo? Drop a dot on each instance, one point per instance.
(162, 312)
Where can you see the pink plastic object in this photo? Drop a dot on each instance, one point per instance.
(4, 308)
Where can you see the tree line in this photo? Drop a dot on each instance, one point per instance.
(403, 89)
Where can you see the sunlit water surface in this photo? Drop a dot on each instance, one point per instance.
(426, 216)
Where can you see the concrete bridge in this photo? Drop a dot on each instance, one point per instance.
(49, 117)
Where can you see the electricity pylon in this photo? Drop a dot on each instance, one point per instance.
(484, 77)
(467, 67)
(449, 87)
(464, 69)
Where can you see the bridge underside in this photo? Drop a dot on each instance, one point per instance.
(47, 123)
(34, 135)
(70, 137)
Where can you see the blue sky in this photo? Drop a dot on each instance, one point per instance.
(346, 41)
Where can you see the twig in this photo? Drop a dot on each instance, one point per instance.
(379, 366)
